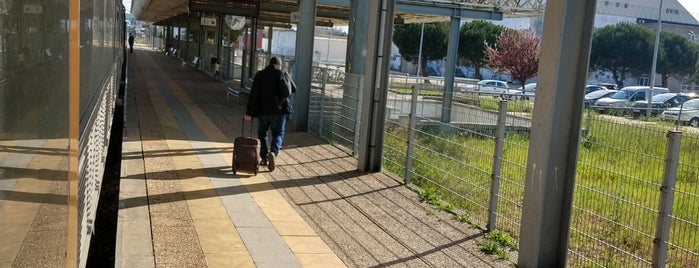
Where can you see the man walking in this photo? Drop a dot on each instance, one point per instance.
(130, 43)
(269, 102)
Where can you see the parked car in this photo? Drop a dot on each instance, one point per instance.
(687, 113)
(592, 97)
(526, 92)
(492, 86)
(609, 86)
(659, 103)
(625, 97)
(592, 88)
(531, 87)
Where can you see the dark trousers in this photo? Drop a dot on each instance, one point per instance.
(276, 124)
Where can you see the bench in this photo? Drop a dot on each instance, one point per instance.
(235, 92)
(172, 53)
(194, 63)
(232, 92)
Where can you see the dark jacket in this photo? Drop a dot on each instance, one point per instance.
(264, 94)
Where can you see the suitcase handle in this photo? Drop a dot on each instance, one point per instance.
(242, 130)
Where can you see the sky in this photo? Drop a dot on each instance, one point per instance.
(692, 6)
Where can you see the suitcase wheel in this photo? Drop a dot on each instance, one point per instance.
(234, 169)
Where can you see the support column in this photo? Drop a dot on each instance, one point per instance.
(450, 67)
(253, 49)
(354, 64)
(303, 63)
(200, 38)
(378, 57)
(219, 36)
(553, 148)
(186, 38)
(270, 31)
(244, 61)
(179, 41)
(356, 38)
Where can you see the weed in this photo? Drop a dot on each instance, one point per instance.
(461, 218)
(446, 207)
(502, 239)
(430, 196)
(590, 142)
(491, 247)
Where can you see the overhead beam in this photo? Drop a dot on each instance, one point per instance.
(434, 8)
(287, 19)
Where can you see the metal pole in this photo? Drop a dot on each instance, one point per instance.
(152, 32)
(553, 149)
(378, 57)
(322, 102)
(655, 58)
(411, 136)
(419, 53)
(497, 166)
(357, 121)
(587, 123)
(667, 195)
(327, 52)
(230, 62)
(253, 49)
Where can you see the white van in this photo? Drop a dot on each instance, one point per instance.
(626, 96)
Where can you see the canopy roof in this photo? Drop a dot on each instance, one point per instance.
(336, 12)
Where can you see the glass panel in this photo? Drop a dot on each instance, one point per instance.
(33, 132)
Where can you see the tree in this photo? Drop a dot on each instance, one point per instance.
(622, 49)
(677, 57)
(472, 39)
(516, 53)
(434, 42)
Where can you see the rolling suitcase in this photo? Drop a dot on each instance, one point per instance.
(246, 152)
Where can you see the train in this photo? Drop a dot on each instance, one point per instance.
(62, 81)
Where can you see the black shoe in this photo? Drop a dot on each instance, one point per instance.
(263, 162)
(270, 162)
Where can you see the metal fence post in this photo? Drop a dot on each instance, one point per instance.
(586, 131)
(357, 121)
(411, 136)
(230, 62)
(667, 194)
(497, 165)
(322, 102)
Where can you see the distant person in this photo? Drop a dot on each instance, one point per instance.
(22, 57)
(269, 102)
(130, 43)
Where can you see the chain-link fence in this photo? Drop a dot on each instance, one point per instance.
(470, 152)
(636, 194)
(636, 199)
(335, 105)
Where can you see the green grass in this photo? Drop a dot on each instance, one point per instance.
(484, 102)
(498, 243)
(493, 248)
(620, 168)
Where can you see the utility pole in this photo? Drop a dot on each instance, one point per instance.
(655, 59)
(419, 53)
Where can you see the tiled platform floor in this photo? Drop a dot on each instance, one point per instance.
(181, 205)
